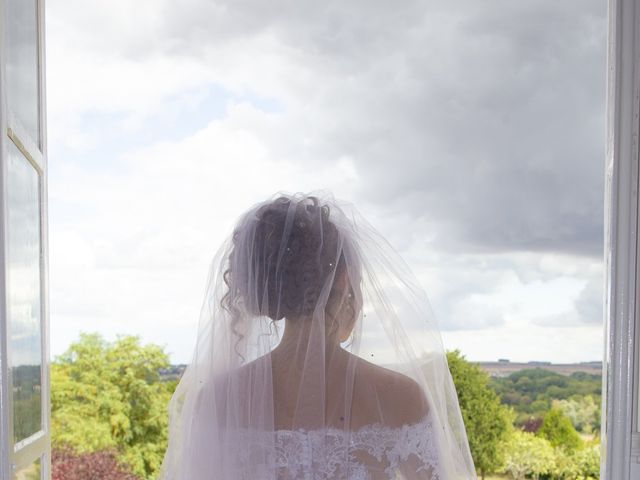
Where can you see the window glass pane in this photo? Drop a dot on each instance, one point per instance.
(22, 63)
(32, 472)
(24, 312)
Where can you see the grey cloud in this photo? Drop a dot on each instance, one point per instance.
(483, 119)
(488, 118)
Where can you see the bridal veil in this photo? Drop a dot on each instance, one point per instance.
(317, 357)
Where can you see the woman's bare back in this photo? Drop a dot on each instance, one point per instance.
(382, 396)
(386, 397)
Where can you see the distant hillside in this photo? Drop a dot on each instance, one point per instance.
(499, 369)
(174, 372)
(504, 368)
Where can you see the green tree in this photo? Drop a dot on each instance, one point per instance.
(558, 430)
(567, 466)
(588, 460)
(583, 412)
(487, 421)
(108, 396)
(532, 391)
(526, 454)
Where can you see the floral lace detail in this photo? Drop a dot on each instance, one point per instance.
(373, 452)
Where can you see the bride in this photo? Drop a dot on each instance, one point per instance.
(317, 358)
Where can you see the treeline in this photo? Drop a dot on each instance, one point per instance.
(109, 415)
(533, 392)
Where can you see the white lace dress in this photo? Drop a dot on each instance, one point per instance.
(373, 452)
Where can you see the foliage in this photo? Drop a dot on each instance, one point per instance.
(588, 460)
(27, 401)
(109, 417)
(583, 412)
(530, 456)
(559, 431)
(527, 454)
(31, 472)
(549, 408)
(532, 424)
(487, 421)
(566, 466)
(584, 464)
(108, 397)
(531, 392)
(68, 465)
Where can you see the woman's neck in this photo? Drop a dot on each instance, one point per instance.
(306, 338)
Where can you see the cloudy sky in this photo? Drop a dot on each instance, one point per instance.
(471, 134)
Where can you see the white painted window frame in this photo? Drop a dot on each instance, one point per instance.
(620, 417)
(14, 457)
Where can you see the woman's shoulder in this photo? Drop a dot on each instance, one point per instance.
(399, 398)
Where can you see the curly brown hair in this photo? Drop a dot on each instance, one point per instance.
(282, 259)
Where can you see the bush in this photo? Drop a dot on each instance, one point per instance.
(558, 429)
(532, 424)
(528, 455)
(583, 412)
(588, 460)
(68, 465)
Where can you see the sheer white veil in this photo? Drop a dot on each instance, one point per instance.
(312, 323)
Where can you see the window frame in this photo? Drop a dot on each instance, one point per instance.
(620, 436)
(22, 454)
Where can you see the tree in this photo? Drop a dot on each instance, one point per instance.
(566, 466)
(583, 412)
(559, 431)
(532, 391)
(588, 460)
(526, 454)
(486, 420)
(109, 397)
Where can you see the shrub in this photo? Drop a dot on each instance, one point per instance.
(69, 465)
(528, 455)
(532, 424)
(588, 460)
(558, 429)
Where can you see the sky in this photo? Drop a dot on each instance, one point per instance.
(470, 134)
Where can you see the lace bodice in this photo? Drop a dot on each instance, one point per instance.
(373, 452)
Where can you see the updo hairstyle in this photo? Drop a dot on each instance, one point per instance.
(282, 259)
